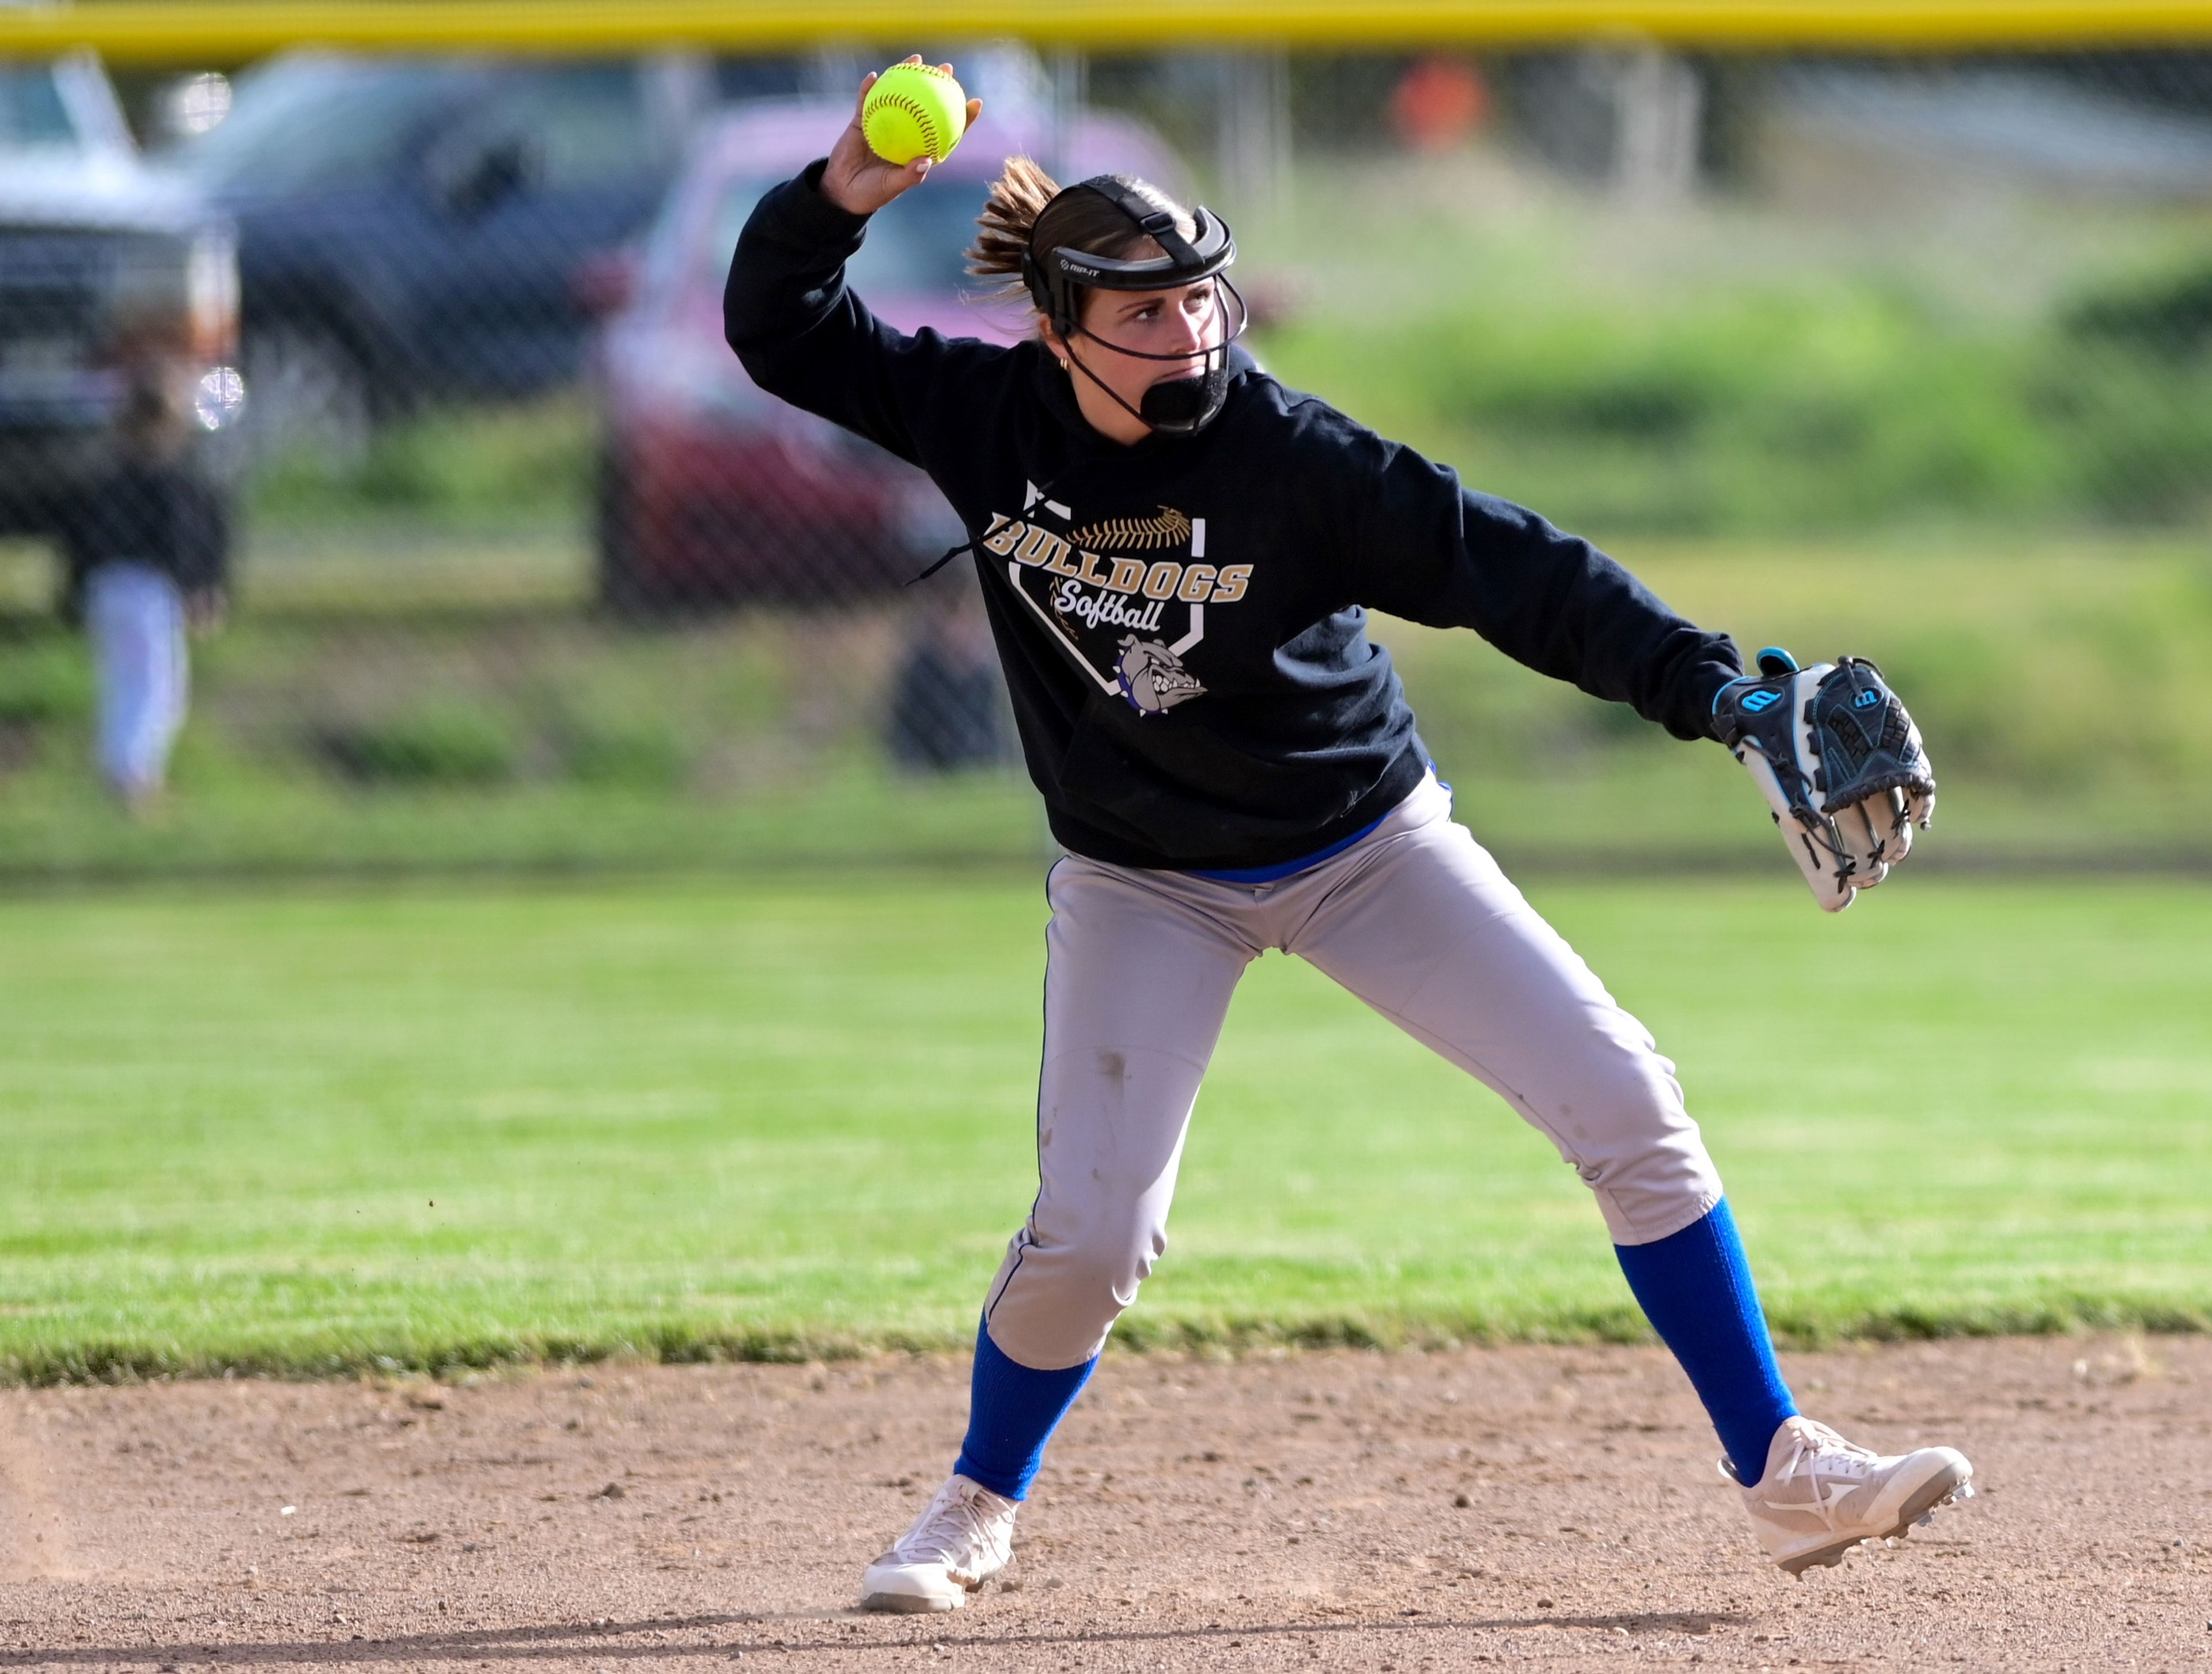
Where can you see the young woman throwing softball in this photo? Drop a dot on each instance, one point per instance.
(1178, 554)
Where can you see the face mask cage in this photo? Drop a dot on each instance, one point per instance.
(1176, 406)
(1232, 318)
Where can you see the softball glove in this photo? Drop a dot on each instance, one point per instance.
(1839, 762)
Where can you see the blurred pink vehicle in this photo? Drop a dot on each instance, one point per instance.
(711, 492)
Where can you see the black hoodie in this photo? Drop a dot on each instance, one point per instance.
(1183, 623)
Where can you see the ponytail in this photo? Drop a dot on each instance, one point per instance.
(1002, 231)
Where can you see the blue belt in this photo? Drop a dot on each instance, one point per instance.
(1268, 874)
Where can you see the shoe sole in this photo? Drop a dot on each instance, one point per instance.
(910, 1603)
(1942, 1490)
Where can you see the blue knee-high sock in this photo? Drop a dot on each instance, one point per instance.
(1013, 1410)
(1695, 1287)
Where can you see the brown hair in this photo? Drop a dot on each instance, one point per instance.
(1015, 219)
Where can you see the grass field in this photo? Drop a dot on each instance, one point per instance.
(329, 1130)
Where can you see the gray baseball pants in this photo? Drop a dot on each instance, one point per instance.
(1418, 921)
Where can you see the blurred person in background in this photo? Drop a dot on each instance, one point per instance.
(946, 709)
(147, 550)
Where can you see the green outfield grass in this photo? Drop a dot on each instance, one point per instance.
(327, 1130)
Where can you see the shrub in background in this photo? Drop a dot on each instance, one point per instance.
(450, 743)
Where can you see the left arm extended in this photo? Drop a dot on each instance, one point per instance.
(1439, 554)
(1831, 748)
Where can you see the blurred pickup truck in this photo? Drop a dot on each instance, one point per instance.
(118, 295)
(410, 228)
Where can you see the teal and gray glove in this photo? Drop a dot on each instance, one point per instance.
(1839, 762)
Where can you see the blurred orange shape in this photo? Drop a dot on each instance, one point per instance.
(1438, 103)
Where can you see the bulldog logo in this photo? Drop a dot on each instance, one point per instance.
(1152, 677)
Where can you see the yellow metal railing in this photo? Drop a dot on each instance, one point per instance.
(151, 31)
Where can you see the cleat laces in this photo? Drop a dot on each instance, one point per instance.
(1831, 1466)
(957, 1532)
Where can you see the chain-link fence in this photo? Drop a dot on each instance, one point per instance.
(396, 387)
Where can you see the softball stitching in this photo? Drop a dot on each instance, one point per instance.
(905, 102)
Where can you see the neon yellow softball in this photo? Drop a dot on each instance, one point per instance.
(913, 109)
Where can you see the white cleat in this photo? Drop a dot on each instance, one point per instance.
(963, 1537)
(1822, 1495)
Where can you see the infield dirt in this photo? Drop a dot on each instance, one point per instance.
(1310, 1511)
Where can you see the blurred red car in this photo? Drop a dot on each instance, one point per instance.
(711, 492)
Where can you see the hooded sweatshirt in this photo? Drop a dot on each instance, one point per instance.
(1182, 623)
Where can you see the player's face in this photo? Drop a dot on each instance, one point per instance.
(1185, 321)
(1122, 329)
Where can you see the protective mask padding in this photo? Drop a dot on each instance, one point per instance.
(1182, 406)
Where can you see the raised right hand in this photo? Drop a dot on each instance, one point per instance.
(859, 182)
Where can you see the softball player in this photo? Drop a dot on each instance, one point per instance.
(1177, 555)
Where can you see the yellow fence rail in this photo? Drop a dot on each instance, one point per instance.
(148, 31)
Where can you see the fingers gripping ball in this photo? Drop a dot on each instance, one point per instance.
(913, 109)
(1839, 762)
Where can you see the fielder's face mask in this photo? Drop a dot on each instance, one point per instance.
(1173, 406)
